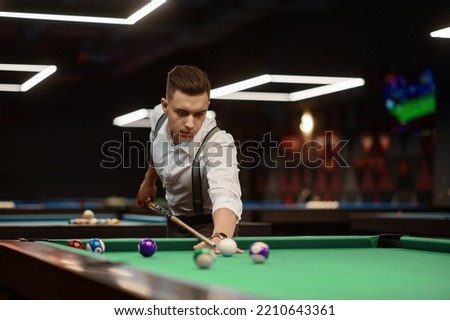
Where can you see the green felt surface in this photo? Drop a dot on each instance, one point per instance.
(305, 268)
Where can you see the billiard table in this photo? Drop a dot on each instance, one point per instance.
(300, 267)
(54, 224)
(297, 219)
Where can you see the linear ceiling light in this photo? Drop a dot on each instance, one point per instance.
(129, 118)
(442, 33)
(235, 91)
(132, 19)
(141, 118)
(43, 71)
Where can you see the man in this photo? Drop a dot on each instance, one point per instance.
(174, 145)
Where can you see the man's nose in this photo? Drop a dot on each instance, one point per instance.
(189, 122)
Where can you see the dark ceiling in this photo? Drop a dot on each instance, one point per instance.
(336, 37)
(53, 134)
(175, 26)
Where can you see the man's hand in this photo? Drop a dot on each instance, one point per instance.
(216, 250)
(145, 195)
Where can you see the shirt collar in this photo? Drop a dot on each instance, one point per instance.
(192, 146)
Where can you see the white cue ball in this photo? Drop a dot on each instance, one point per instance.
(88, 214)
(227, 247)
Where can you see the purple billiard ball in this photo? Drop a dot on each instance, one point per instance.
(259, 252)
(147, 247)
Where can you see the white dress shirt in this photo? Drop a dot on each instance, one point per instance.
(218, 167)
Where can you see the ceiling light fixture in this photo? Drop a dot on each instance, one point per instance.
(141, 118)
(442, 33)
(132, 19)
(128, 119)
(235, 91)
(43, 71)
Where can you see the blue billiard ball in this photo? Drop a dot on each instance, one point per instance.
(147, 247)
(259, 252)
(95, 245)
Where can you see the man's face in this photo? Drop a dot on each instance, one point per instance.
(185, 115)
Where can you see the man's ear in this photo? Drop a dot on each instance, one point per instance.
(164, 104)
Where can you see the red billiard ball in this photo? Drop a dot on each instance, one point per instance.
(147, 247)
(75, 243)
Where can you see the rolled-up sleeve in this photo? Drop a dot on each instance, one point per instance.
(221, 164)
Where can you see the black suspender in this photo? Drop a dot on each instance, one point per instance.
(196, 176)
(159, 123)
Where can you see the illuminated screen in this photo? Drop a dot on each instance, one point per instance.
(409, 98)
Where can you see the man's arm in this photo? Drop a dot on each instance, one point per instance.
(224, 221)
(148, 188)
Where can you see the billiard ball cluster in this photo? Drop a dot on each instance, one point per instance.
(88, 218)
(146, 247)
(95, 245)
(203, 257)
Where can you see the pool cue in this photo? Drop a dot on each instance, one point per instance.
(161, 210)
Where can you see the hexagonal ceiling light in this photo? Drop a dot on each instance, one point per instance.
(235, 91)
(43, 71)
(132, 19)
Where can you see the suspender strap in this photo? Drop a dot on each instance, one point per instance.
(159, 123)
(196, 176)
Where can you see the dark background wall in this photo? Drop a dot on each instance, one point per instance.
(51, 138)
(442, 154)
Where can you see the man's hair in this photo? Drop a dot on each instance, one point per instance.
(189, 80)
